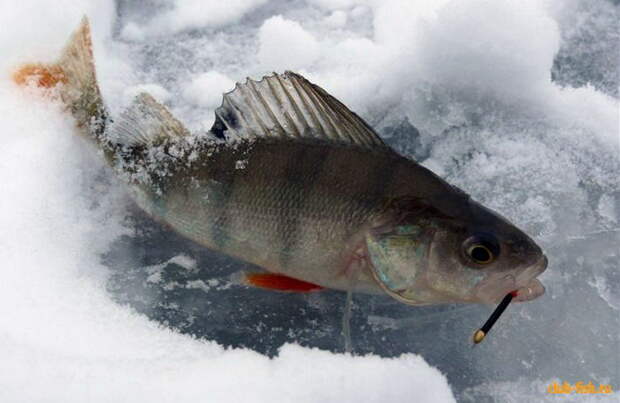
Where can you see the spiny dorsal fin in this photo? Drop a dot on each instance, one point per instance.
(145, 122)
(288, 105)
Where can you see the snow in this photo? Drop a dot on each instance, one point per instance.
(336, 19)
(132, 32)
(515, 103)
(157, 91)
(284, 44)
(186, 14)
(333, 4)
(207, 88)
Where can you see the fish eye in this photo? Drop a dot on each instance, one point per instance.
(480, 254)
(481, 249)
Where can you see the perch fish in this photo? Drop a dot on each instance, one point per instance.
(291, 180)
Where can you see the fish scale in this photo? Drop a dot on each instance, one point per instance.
(290, 215)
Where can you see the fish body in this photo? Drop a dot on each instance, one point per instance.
(298, 208)
(292, 181)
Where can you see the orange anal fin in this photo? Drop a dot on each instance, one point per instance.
(41, 75)
(279, 282)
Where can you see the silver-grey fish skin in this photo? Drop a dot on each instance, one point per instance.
(293, 207)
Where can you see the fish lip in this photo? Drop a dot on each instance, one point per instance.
(528, 286)
(529, 274)
(532, 290)
(492, 291)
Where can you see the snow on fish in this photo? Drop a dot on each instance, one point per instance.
(291, 180)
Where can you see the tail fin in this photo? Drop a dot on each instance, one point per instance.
(74, 76)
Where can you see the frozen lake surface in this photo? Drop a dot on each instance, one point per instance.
(516, 103)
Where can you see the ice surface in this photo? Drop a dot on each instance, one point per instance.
(515, 102)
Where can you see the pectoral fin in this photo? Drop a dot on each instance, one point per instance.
(279, 282)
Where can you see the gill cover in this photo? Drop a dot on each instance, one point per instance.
(399, 249)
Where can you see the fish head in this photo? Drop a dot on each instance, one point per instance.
(429, 253)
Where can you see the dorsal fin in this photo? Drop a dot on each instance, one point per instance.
(145, 122)
(288, 105)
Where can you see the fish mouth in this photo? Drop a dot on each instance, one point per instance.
(528, 287)
(525, 283)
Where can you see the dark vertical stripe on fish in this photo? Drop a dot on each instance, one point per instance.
(219, 232)
(303, 170)
(223, 186)
(379, 180)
